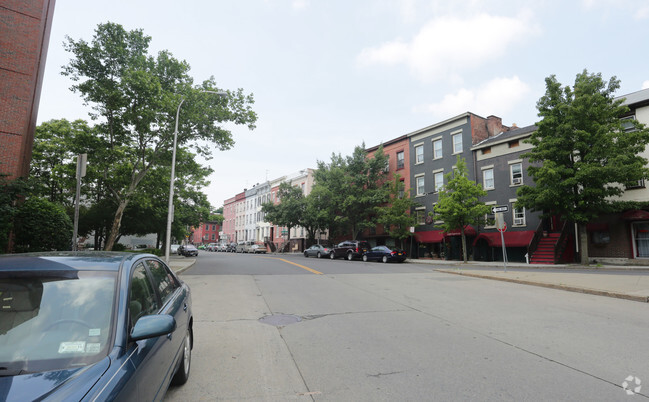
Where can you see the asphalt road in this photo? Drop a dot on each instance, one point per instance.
(354, 331)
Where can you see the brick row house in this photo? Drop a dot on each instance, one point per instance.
(245, 221)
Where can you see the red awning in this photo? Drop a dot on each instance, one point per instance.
(468, 231)
(635, 215)
(430, 236)
(512, 239)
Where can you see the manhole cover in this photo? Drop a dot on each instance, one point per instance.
(280, 320)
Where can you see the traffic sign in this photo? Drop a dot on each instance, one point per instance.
(500, 208)
(503, 228)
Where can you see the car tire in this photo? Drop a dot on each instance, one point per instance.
(350, 256)
(364, 258)
(385, 259)
(306, 255)
(319, 255)
(182, 375)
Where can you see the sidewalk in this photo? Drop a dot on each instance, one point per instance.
(180, 264)
(623, 282)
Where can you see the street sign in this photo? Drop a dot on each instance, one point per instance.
(500, 208)
(503, 228)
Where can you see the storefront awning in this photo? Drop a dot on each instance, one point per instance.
(512, 239)
(468, 231)
(635, 215)
(430, 236)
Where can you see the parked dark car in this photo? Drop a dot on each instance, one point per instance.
(350, 249)
(317, 250)
(92, 326)
(231, 248)
(385, 254)
(188, 250)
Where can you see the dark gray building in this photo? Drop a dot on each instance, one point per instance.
(433, 153)
(502, 170)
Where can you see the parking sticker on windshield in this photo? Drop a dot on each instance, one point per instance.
(94, 332)
(72, 347)
(93, 348)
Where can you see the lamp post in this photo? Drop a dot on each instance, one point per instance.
(170, 213)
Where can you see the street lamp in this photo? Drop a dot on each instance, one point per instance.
(170, 213)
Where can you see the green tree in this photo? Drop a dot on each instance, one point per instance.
(11, 192)
(354, 187)
(135, 98)
(396, 216)
(41, 225)
(316, 215)
(290, 209)
(583, 154)
(459, 203)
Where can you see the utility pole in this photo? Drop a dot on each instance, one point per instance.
(82, 159)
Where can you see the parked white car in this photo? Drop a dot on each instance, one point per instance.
(174, 248)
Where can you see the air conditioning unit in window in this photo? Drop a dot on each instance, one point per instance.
(519, 221)
(517, 180)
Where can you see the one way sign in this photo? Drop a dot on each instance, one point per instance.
(499, 208)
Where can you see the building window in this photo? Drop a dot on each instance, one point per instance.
(437, 149)
(519, 216)
(439, 181)
(486, 150)
(457, 143)
(636, 184)
(400, 160)
(213, 227)
(213, 236)
(488, 179)
(516, 173)
(420, 185)
(401, 189)
(421, 216)
(419, 154)
(513, 144)
(627, 123)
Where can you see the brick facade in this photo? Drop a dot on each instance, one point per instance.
(24, 36)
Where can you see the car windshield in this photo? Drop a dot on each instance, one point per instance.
(54, 320)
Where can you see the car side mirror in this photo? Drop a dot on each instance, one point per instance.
(150, 326)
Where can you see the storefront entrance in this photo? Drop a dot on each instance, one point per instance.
(641, 239)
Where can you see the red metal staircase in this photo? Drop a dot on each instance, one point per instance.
(546, 250)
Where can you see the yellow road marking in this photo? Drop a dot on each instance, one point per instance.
(298, 265)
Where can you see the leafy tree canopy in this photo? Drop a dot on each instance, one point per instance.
(583, 154)
(459, 202)
(135, 98)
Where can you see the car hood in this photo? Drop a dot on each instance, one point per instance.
(70, 384)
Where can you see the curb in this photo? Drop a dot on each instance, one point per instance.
(617, 295)
(183, 269)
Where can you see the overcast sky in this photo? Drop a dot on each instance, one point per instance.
(328, 75)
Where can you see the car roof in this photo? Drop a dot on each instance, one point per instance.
(67, 260)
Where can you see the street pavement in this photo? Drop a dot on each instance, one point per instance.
(623, 282)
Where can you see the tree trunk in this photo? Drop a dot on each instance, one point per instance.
(117, 222)
(463, 245)
(583, 243)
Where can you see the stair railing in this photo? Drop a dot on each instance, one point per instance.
(534, 244)
(562, 242)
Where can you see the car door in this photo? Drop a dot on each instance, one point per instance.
(147, 354)
(174, 302)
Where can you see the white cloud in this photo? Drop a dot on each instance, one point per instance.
(645, 85)
(300, 4)
(448, 45)
(497, 96)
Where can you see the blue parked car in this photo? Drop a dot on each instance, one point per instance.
(92, 326)
(385, 254)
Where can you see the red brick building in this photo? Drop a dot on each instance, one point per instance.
(24, 37)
